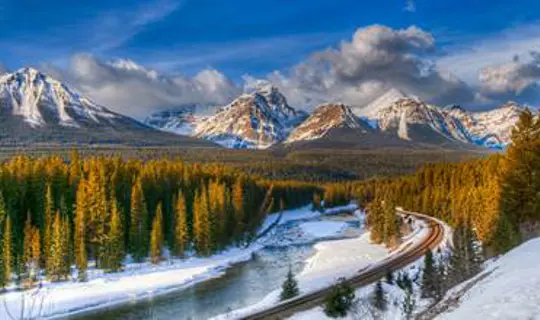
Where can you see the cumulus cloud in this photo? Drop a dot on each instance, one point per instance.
(376, 59)
(517, 80)
(3, 68)
(131, 89)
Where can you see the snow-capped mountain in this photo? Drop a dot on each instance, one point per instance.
(255, 120)
(36, 108)
(492, 128)
(414, 120)
(182, 120)
(325, 118)
(40, 100)
(371, 110)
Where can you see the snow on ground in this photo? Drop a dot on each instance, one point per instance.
(335, 259)
(323, 228)
(511, 291)
(140, 280)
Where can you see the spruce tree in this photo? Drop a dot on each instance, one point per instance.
(339, 301)
(429, 289)
(156, 245)
(289, 289)
(408, 305)
(55, 254)
(115, 252)
(378, 297)
(139, 223)
(81, 257)
(181, 231)
(7, 250)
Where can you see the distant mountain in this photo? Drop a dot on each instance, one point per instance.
(325, 118)
(182, 120)
(414, 120)
(35, 108)
(492, 128)
(263, 118)
(255, 120)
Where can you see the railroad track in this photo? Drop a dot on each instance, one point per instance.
(363, 278)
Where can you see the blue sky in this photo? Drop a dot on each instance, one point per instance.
(237, 36)
(183, 37)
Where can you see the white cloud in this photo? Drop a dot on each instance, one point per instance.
(410, 6)
(376, 59)
(474, 54)
(131, 89)
(518, 79)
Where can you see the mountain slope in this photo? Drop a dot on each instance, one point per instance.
(416, 121)
(35, 108)
(256, 120)
(325, 118)
(491, 128)
(508, 289)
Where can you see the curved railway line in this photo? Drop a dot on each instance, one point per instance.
(364, 277)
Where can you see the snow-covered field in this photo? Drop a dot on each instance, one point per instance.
(142, 280)
(511, 291)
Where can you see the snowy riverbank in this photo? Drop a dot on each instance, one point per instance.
(139, 281)
(333, 260)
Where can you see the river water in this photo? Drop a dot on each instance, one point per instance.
(242, 285)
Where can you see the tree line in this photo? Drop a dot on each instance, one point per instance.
(57, 214)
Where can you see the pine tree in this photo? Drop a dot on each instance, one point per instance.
(201, 224)
(289, 289)
(8, 251)
(339, 301)
(156, 246)
(238, 205)
(378, 298)
(139, 223)
(56, 269)
(389, 277)
(181, 231)
(81, 257)
(429, 288)
(32, 250)
(115, 252)
(408, 305)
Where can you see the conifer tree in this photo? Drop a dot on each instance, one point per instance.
(378, 298)
(156, 246)
(339, 301)
(81, 257)
(55, 256)
(289, 289)
(201, 224)
(7, 249)
(238, 205)
(49, 219)
(139, 223)
(181, 231)
(115, 252)
(429, 286)
(408, 305)
(31, 248)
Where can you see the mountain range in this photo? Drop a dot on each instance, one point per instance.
(263, 119)
(38, 109)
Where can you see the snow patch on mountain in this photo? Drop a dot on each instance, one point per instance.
(325, 118)
(254, 120)
(35, 97)
(491, 128)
